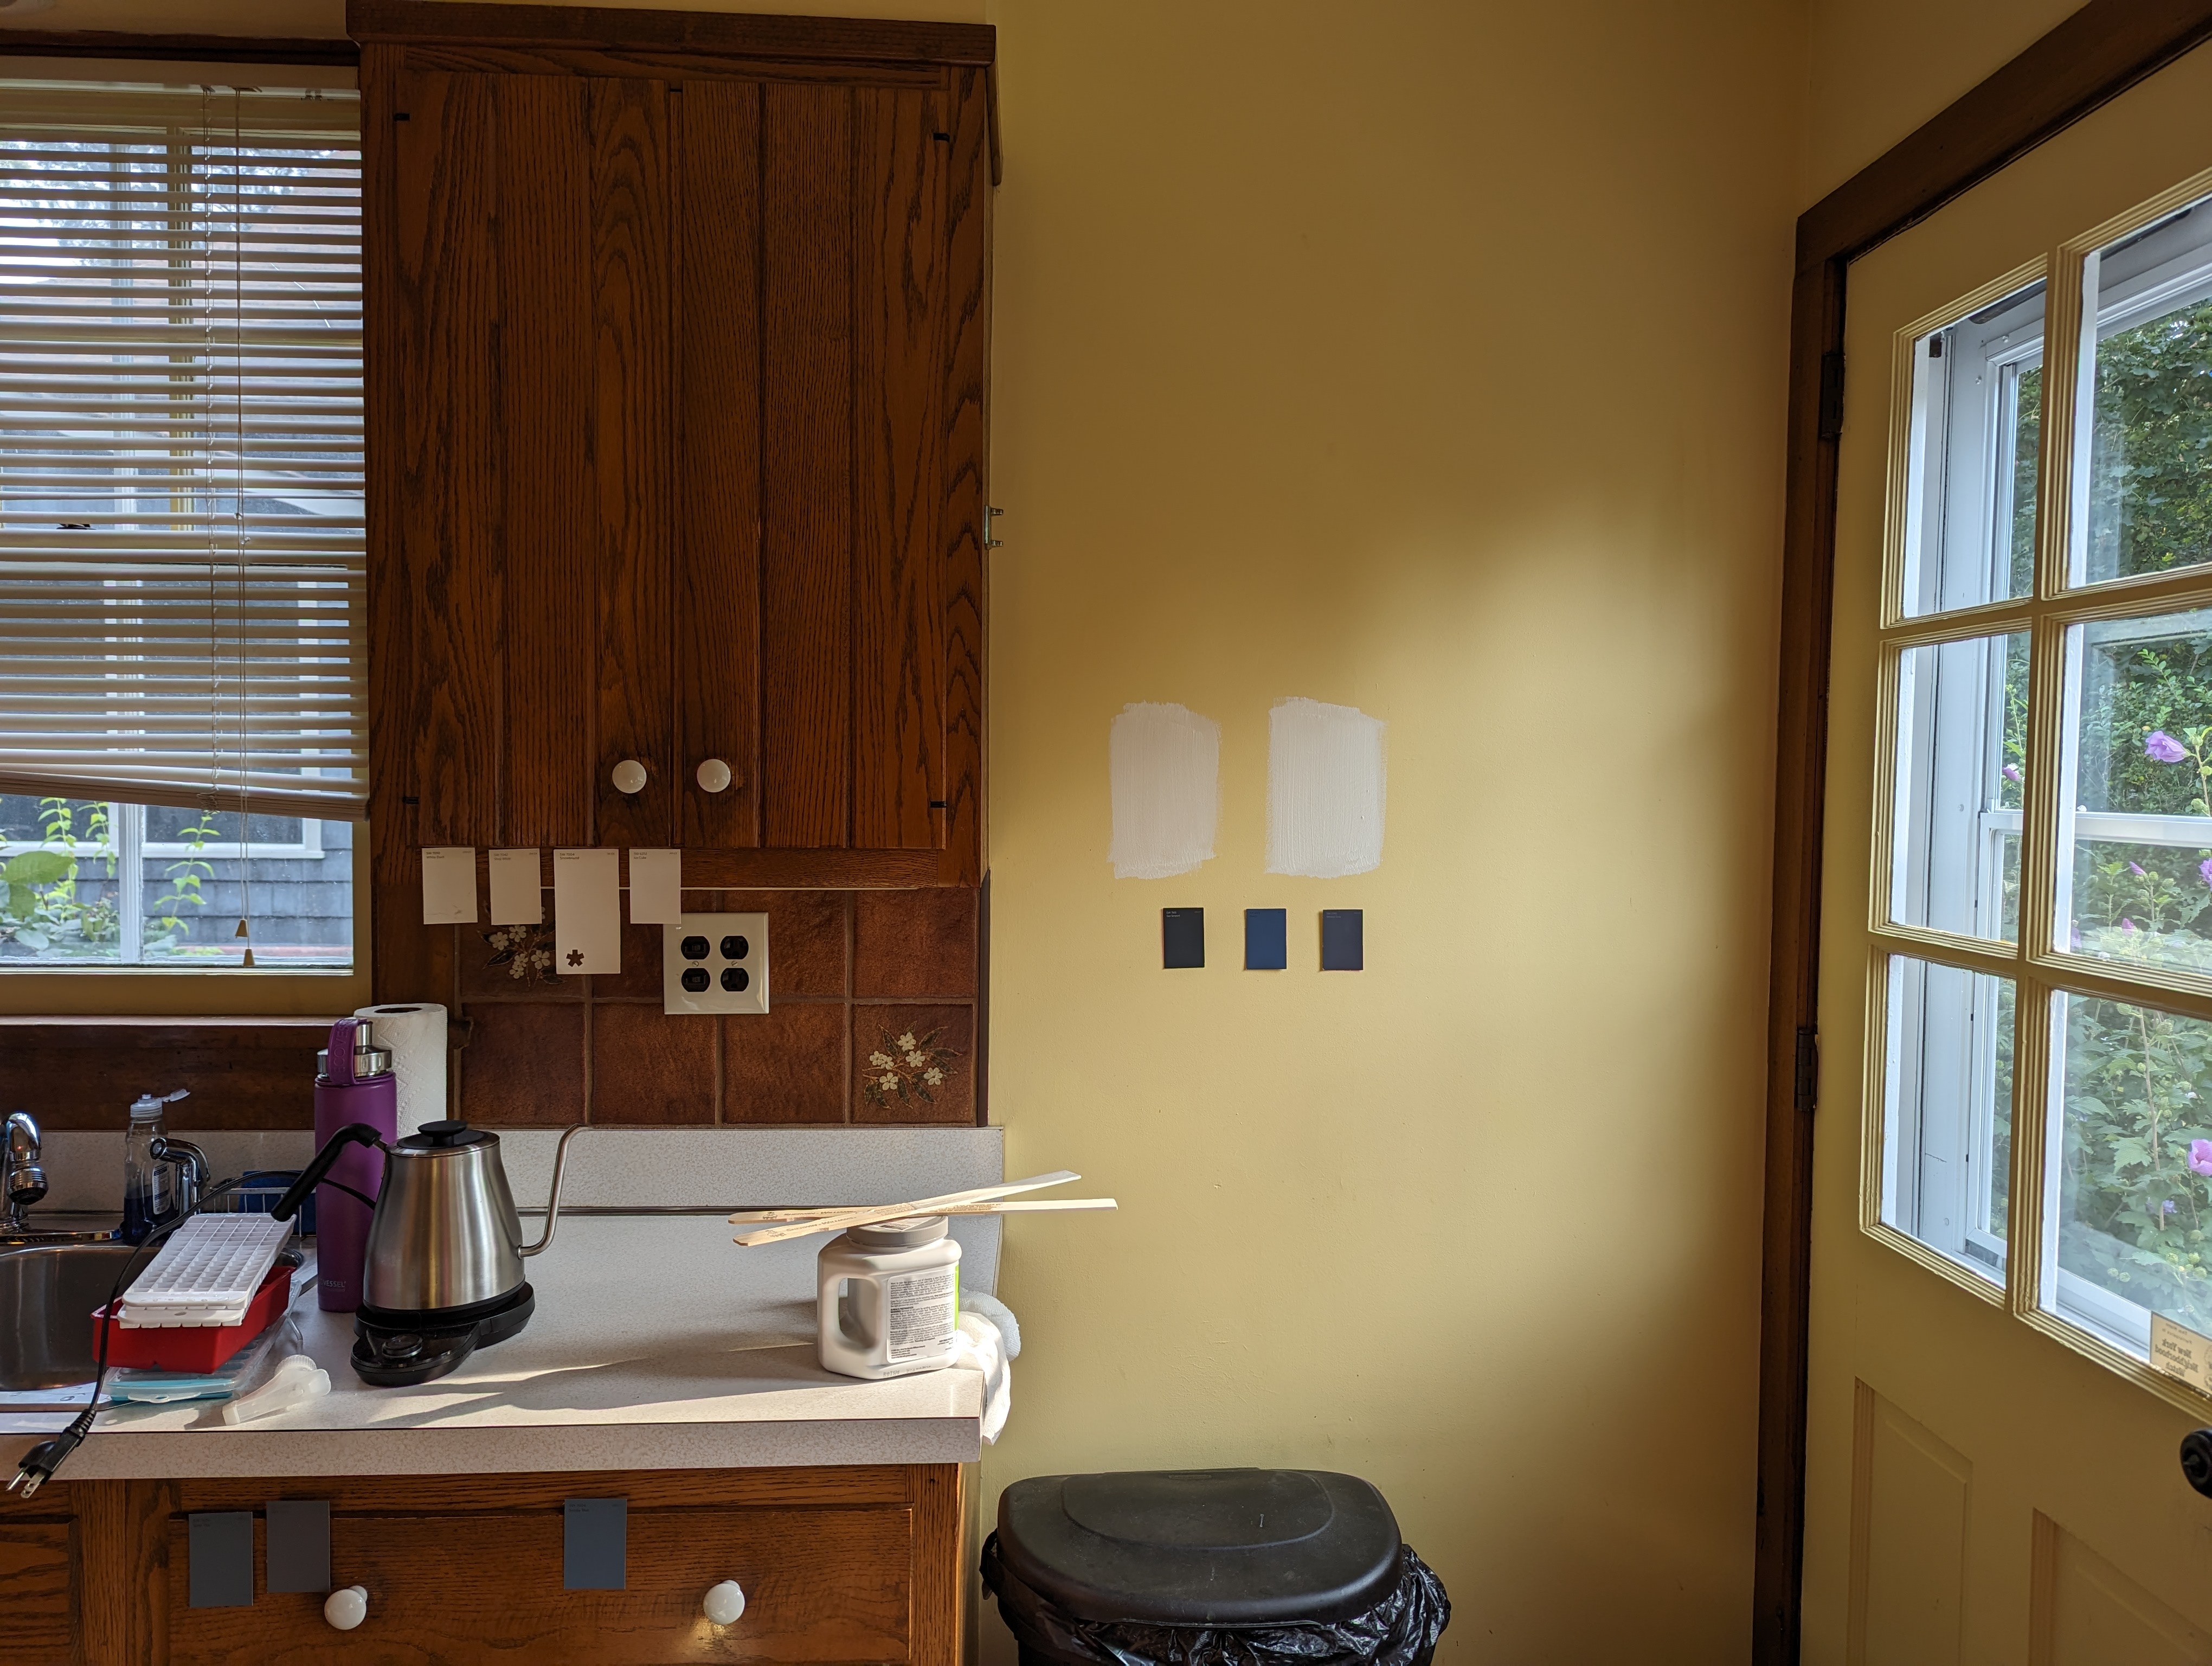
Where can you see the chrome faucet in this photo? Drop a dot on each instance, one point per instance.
(26, 1180)
(192, 1165)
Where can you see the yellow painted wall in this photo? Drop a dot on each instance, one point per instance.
(1426, 358)
(1880, 68)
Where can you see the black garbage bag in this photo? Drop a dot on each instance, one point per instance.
(1400, 1630)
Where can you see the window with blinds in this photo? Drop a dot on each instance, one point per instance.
(182, 721)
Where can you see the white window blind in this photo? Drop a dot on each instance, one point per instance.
(181, 581)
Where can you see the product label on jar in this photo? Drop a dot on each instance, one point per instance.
(920, 1310)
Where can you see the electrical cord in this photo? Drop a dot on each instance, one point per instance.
(38, 1464)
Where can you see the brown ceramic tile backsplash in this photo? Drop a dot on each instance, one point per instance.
(786, 1066)
(524, 1063)
(897, 1048)
(846, 971)
(649, 1068)
(915, 943)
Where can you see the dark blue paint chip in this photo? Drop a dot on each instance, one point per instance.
(1183, 937)
(595, 1544)
(1266, 940)
(1343, 940)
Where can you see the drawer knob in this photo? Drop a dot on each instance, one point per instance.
(347, 1608)
(725, 1602)
(629, 776)
(714, 776)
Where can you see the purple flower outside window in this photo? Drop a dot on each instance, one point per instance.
(2012, 772)
(2166, 1208)
(2204, 870)
(2127, 925)
(2135, 868)
(2164, 747)
(2200, 1157)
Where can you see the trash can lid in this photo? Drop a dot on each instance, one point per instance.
(1201, 1547)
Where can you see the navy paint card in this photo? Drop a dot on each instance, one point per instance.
(219, 1547)
(1343, 946)
(299, 1551)
(1183, 937)
(1266, 940)
(595, 1544)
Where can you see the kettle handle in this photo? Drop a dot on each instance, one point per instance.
(312, 1176)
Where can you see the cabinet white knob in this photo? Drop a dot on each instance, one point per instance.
(725, 1602)
(629, 776)
(713, 775)
(347, 1608)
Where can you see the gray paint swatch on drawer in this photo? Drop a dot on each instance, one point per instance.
(219, 1547)
(595, 1544)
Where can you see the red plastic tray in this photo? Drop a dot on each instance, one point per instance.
(194, 1348)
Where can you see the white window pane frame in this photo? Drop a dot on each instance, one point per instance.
(2081, 1314)
(132, 852)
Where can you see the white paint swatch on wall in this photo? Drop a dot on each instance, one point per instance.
(586, 912)
(449, 885)
(517, 897)
(1325, 790)
(1165, 765)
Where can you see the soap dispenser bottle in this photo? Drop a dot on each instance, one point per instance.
(149, 1196)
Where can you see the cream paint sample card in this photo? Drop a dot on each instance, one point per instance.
(656, 887)
(1164, 765)
(586, 912)
(2180, 1352)
(449, 885)
(1325, 790)
(518, 894)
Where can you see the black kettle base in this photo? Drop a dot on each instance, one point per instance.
(394, 1349)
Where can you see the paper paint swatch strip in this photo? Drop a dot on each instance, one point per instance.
(516, 896)
(586, 912)
(449, 885)
(1165, 766)
(1325, 789)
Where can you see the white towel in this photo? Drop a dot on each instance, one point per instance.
(981, 1346)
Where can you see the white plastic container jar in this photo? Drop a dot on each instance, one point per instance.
(888, 1297)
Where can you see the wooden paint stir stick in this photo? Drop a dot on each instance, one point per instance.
(983, 1200)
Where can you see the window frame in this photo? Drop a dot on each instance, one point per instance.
(156, 992)
(2072, 1311)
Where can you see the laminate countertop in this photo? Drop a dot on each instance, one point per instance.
(656, 1344)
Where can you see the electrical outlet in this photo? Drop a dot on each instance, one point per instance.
(715, 963)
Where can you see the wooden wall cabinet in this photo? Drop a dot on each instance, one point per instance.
(677, 366)
(865, 1563)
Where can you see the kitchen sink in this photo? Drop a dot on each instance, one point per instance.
(48, 1292)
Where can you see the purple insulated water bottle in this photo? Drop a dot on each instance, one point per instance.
(353, 1083)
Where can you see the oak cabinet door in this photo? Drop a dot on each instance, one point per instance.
(675, 401)
(37, 1596)
(852, 286)
(522, 595)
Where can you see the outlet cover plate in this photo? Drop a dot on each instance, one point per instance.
(732, 983)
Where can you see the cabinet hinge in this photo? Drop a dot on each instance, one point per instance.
(991, 514)
(1831, 395)
(1807, 1083)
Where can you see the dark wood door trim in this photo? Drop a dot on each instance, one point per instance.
(2100, 51)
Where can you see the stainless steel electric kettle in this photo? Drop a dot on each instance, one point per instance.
(441, 1275)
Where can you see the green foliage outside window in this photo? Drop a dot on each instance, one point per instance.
(42, 908)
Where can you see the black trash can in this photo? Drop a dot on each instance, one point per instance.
(1210, 1567)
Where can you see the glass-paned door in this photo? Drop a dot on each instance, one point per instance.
(2012, 1273)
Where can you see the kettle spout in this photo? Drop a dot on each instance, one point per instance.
(553, 1201)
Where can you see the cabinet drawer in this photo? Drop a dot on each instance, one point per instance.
(821, 1585)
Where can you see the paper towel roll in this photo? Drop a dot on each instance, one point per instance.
(417, 1035)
